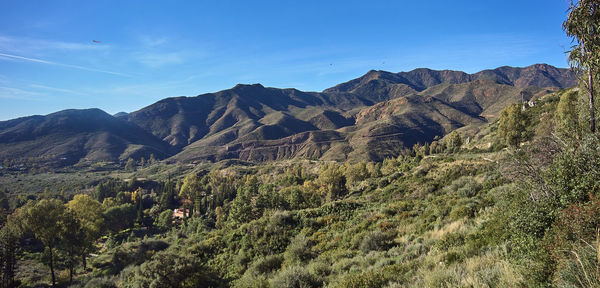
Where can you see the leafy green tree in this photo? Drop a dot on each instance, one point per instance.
(72, 239)
(130, 165)
(241, 210)
(166, 197)
(190, 189)
(164, 221)
(333, 181)
(120, 217)
(512, 127)
(356, 172)
(89, 215)
(220, 216)
(453, 142)
(294, 197)
(44, 220)
(152, 159)
(10, 233)
(137, 198)
(567, 124)
(583, 25)
(4, 203)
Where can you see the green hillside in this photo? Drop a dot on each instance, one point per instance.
(471, 209)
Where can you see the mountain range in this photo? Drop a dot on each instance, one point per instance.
(368, 118)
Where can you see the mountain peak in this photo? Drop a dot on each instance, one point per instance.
(419, 79)
(247, 86)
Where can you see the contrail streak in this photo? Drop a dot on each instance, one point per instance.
(61, 64)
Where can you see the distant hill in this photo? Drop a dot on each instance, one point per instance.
(538, 75)
(71, 136)
(372, 117)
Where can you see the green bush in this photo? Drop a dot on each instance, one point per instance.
(103, 282)
(251, 281)
(367, 279)
(265, 265)
(169, 269)
(299, 250)
(295, 277)
(319, 268)
(374, 241)
(465, 186)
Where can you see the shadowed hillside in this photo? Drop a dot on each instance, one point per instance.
(70, 136)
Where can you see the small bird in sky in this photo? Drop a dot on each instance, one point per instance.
(96, 41)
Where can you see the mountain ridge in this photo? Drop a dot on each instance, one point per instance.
(373, 116)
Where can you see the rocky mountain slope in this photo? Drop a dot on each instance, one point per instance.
(371, 117)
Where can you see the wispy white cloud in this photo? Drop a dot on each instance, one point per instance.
(21, 44)
(55, 89)
(16, 57)
(36, 60)
(18, 94)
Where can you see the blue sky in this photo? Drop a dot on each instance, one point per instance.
(151, 50)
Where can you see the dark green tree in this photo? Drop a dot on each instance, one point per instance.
(583, 26)
(10, 233)
(120, 217)
(566, 116)
(453, 142)
(164, 221)
(241, 210)
(191, 191)
(44, 219)
(166, 197)
(512, 127)
(72, 240)
(130, 165)
(89, 214)
(333, 181)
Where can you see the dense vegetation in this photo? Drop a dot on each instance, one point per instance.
(506, 209)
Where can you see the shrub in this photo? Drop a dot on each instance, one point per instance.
(250, 281)
(374, 241)
(265, 265)
(319, 268)
(464, 210)
(465, 186)
(295, 277)
(103, 282)
(168, 269)
(575, 243)
(299, 250)
(281, 218)
(367, 279)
